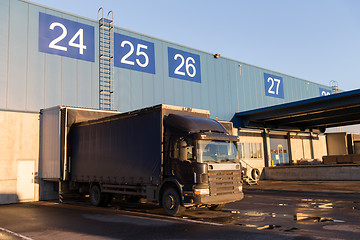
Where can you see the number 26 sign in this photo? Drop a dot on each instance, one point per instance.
(184, 65)
(273, 86)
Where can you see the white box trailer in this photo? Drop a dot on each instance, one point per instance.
(55, 123)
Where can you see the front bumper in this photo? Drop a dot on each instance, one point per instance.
(218, 199)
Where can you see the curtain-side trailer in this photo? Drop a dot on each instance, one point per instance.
(174, 156)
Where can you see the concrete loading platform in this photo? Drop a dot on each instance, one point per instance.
(334, 188)
(339, 172)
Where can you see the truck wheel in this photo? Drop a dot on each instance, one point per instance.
(171, 202)
(96, 196)
(217, 207)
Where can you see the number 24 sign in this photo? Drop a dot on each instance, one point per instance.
(66, 38)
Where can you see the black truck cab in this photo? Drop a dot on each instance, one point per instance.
(201, 159)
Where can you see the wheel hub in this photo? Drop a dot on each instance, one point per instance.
(170, 203)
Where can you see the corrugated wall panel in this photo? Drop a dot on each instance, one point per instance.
(53, 71)
(220, 80)
(94, 69)
(69, 85)
(148, 97)
(232, 69)
(212, 86)
(136, 89)
(234, 76)
(52, 80)
(122, 94)
(4, 34)
(241, 85)
(161, 69)
(246, 91)
(196, 95)
(69, 80)
(35, 64)
(17, 67)
(85, 85)
(30, 79)
(205, 87)
(226, 90)
(161, 72)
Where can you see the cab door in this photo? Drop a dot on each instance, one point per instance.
(182, 159)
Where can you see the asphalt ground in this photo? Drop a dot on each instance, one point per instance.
(270, 210)
(49, 220)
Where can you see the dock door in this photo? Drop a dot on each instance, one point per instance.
(279, 151)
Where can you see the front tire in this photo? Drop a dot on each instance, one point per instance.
(171, 202)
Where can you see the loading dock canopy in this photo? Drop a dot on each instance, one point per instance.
(306, 115)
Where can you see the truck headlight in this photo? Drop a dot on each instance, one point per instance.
(202, 191)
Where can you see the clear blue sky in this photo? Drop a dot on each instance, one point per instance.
(317, 40)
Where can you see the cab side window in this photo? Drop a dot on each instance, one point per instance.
(175, 153)
(182, 149)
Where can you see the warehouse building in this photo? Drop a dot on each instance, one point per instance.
(52, 58)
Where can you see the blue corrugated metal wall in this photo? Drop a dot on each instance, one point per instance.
(31, 80)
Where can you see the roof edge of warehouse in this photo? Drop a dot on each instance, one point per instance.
(304, 101)
(317, 113)
(78, 108)
(18, 111)
(166, 106)
(230, 59)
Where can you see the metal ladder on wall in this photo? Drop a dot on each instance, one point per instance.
(106, 60)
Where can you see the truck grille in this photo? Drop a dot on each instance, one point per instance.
(224, 182)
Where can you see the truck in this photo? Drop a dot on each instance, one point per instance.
(174, 156)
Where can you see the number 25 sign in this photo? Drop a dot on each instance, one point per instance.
(134, 54)
(66, 38)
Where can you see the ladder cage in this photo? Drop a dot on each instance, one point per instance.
(106, 60)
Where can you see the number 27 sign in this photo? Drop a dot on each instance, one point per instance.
(273, 86)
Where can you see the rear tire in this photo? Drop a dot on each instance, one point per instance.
(96, 196)
(171, 202)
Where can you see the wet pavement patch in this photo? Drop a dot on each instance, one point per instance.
(247, 225)
(211, 216)
(327, 204)
(289, 229)
(272, 226)
(299, 217)
(343, 228)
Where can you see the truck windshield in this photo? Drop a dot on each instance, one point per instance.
(216, 151)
